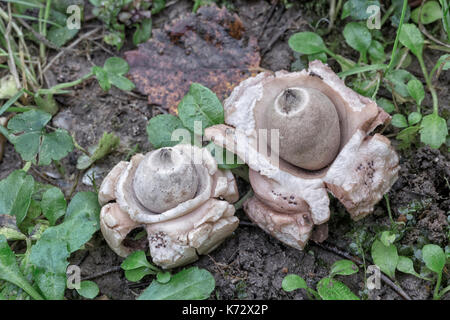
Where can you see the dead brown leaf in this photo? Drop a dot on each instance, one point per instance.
(208, 47)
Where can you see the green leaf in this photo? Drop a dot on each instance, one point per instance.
(376, 52)
(431, 11)
(135, 260)
(9, 270)
(406, 265)
(50, 253)
(53, 204)
(387, 105)
(160, 129)
(137, 274)
(399, 121)
(414, 117)
(357, 9)
(416, 91)
(411, 37)
(357, 36)
(307, 43)
(163, 277)
(387, 238)
(434, 257)
(189, 284)
(395, 19)
(322, 56)
(116, 65)
(385, 257)
(16, 191)
(121, 82)
(399, 79)
(106, 145)
(200, 104)
(445, 60)
(55, 146)
(343, 268)
(31, 140)
(52, 285)
(59, 36)
(84, 205)
(102, 78)
(433, 130)
(330, 289)
(158, 6)
(293, 282)
(407, 136)
(143, 31)
(88, 289)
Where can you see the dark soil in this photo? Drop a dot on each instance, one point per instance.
(250, 264)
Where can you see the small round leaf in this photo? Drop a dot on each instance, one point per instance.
(293, 282)
(307, 43)
(88, 289)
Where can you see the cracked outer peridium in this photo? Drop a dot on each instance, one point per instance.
(176, 237)
(288, 200)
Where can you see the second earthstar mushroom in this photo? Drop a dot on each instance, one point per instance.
(304, 134)
(178, 195)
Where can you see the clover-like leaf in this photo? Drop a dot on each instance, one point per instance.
(161, 128)
(16, 191)
(200, 105)
(32, 141)
(112, 73)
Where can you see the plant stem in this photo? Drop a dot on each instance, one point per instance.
(429, 84)
(436, 295)
(56, 89)
(241, 201)
(394, 49)
(389, 209)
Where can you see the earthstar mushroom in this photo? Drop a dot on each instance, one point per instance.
(324, 146)
(178, 195)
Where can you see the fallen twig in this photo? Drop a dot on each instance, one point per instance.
(101, 274)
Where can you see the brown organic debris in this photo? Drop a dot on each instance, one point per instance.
(208, 47)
